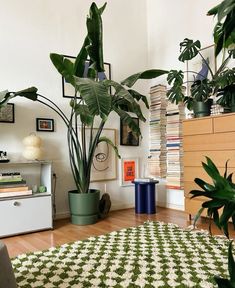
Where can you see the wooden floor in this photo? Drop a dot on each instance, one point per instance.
(65, 232)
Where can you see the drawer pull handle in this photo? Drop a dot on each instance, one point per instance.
(16, 203)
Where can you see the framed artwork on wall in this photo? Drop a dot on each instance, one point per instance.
(127, 136)
(104, 166)
(7, 113)
(68, 89)
(45, 124)
(129, 170)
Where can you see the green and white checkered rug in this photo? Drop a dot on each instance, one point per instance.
(151, 255)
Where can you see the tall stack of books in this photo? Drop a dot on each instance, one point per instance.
(157, 160)
(175, 115)
(12, 184)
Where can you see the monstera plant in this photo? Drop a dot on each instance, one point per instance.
(205, 82)
(91, 107)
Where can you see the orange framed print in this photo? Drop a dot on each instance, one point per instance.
(129, 170)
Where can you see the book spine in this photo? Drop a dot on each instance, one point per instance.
(16, 193)
(10, 179)
(12, 182)
(13, 189)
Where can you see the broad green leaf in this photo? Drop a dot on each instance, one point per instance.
(175, 77)
(213, 203)
(79, 65)
(64, 66)
(190, 49)
(213, 11)
(139, 96)
(228, 211)
(125, 99)
(175, 94)
(84, 113)
(95, 35)
(204, 185)
(148, 74)
(201, 90)
(29, 93)
(95, 95)
(225, 8)
(108, 141)
(126, 118)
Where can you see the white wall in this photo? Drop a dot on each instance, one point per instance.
(138, 34)
(29, 31)
(169, 22)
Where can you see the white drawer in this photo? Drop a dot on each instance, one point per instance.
(22, 215)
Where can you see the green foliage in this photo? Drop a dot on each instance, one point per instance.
(220, 81)
(224, 31)
(189, 49)
(226, 283)
(200, 90)
(221, 194)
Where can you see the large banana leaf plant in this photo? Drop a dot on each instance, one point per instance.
(92, 103)
(218, 82)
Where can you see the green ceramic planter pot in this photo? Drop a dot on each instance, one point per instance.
(84, 208)
(202, 109)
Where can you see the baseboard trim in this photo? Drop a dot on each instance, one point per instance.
(63, 215)
(66, 215)
(170, 206)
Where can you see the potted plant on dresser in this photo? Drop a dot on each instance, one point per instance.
(205, 83)
(91, 107)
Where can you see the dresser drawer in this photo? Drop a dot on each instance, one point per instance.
(197, 126)
(195, 158)
(25, 215)
(192, 206)
(216, 142)
(224, 123)
(190, 173)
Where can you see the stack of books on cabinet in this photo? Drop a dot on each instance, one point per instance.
(157, 160)
(175, 115)
(12, 184)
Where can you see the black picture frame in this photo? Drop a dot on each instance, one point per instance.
(45, 124)
(7, 113)
(127, 137)
(68, 90)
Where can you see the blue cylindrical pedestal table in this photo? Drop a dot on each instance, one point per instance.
(145, 197)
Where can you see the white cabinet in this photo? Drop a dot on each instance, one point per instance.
(21, 214)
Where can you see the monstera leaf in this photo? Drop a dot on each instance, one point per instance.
(175, 94)
(201, 90)
(189, 49)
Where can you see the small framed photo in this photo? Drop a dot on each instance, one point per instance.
(7, 113)
(129, 170)
(45, 124)
(127, 136)
(68, 89)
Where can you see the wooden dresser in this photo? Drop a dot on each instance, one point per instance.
(208, 136)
